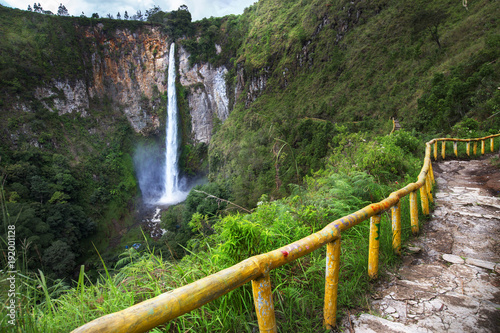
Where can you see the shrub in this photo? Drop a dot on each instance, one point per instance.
(383, 161)
(466, 128)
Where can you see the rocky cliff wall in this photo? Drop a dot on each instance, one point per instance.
(127, 67)
(130, 68)
(207, 97)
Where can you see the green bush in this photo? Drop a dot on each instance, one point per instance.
(389, 158)
(466, 128)
(406, 141)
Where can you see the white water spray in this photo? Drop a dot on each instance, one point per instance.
(171, 193)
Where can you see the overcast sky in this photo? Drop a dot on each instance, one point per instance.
(198, 8)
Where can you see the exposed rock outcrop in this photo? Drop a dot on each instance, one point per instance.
(67, 96)
(129, 68)
(132, 71)
(208, 96)
(256, 84)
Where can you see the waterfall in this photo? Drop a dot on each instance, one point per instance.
(171, 191)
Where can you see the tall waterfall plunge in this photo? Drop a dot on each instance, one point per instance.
(172, 193)
(156, 162)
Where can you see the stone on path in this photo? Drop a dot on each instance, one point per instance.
(453, 259)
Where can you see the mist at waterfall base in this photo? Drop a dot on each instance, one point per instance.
(149, 162)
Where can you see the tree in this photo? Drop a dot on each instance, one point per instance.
(152, 11)
(110, 16)
(29, 8)
(139, 16)
(59, 197)
(202, 203)
(125, 16)
(118, 16)
(62, 11)
(152, 14)
(95, 15)
(37, 8)
(429, 20)
(203, 199)
(40, 188)
(155, 15)
(179, 23)
(59, 258)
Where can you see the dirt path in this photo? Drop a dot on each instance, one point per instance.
(436, 290)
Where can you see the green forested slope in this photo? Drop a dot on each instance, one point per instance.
(65, 177)
(357, 63)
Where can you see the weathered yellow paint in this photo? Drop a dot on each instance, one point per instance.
(474, 148)
(492, 144)
(424, 201)
(172, 304)
(482, 147)
(158, 310)
(468, 148)
(373, 246)
(331, 283)
(263, 301)
(455, 148)
(435, 151)
(428, 187)
(431, 173)
(396, 228)
(443, 149)
(414, 213)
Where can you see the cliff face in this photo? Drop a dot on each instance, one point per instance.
(207, 97)
(256, 84)
(131, 70)
(74, 97)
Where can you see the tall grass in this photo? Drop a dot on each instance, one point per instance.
(298, 288)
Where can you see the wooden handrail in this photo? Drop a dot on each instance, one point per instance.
(167, 306)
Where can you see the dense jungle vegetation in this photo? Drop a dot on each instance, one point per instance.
(310, 145)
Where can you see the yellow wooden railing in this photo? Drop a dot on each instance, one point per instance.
(159, 310)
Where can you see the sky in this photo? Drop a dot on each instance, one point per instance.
(198, 8)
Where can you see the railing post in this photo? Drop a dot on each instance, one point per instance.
(443, 149)
(468, 148)
(455, 148)
(396, 228)
(431, 173)
(428, 186)
(482, 147)
(331, 283)
(423, 199)
(414, 212)
(264, 306)
(435, 151)
(474, 148)
(373, 246)
(492, 144)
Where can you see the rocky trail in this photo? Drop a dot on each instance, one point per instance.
(450, 277)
